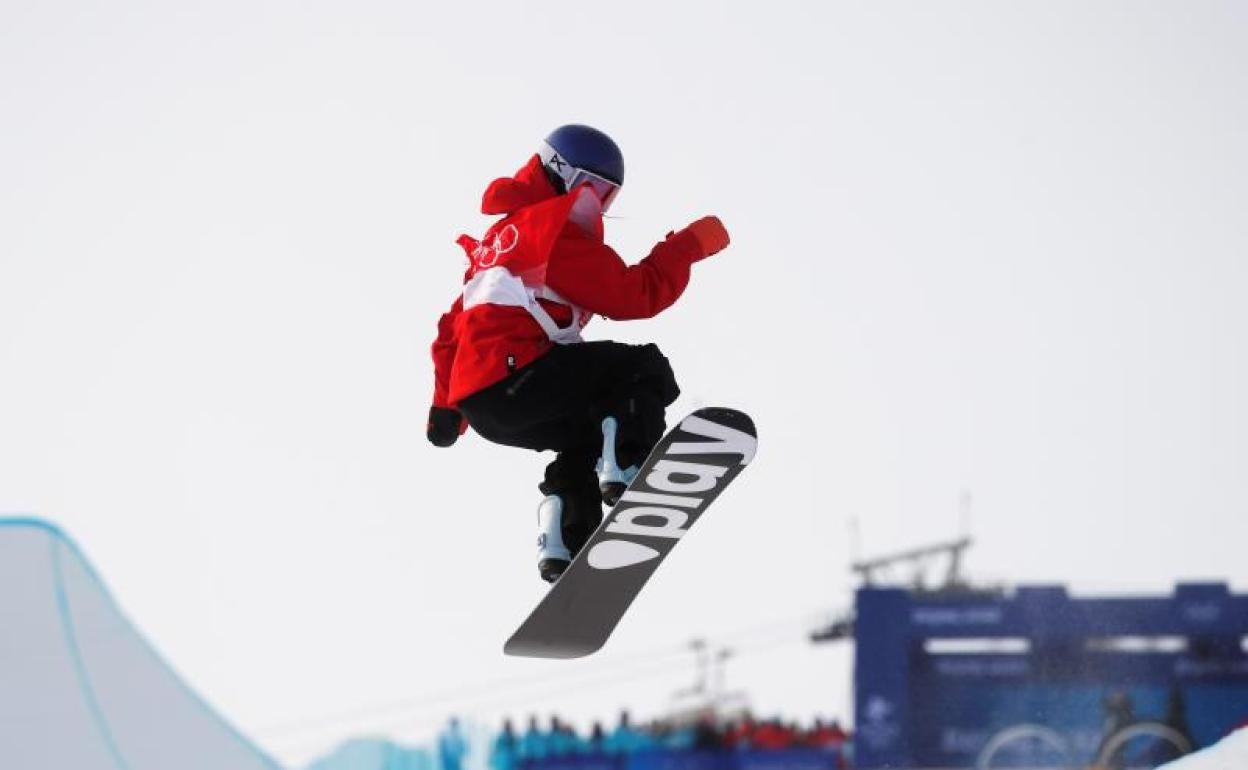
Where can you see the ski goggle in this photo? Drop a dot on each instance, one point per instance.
(605, 189)
(573, 178)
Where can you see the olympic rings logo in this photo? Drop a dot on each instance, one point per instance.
(504, 240)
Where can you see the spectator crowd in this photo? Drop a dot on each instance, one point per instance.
(514, 749)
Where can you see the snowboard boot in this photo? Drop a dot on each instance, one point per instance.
(553, 557)
(612, 479)
(565, 520)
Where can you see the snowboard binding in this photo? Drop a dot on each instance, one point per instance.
(612, 479)
(566, 519)
(553, 556)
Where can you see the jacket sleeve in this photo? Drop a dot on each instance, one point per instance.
(589, 274)
(444, 353)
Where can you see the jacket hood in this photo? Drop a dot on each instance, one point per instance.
(528, 186)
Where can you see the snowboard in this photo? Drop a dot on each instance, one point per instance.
(680, 479)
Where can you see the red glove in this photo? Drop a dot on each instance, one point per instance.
(711, 235)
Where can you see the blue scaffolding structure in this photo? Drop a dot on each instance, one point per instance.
(960, 679)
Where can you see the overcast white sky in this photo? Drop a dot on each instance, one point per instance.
(996, 247)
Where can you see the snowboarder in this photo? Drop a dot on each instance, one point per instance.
(509, 360)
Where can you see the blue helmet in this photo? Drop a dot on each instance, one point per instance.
(579, 155)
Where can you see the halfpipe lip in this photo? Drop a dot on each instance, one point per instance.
(59, 537)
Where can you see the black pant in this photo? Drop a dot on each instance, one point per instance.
(558, 403)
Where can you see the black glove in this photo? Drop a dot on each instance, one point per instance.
(444, 426)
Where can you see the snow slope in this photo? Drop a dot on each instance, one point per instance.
(1230, 753)
(82, 688)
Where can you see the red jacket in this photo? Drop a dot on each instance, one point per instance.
(546, 251)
